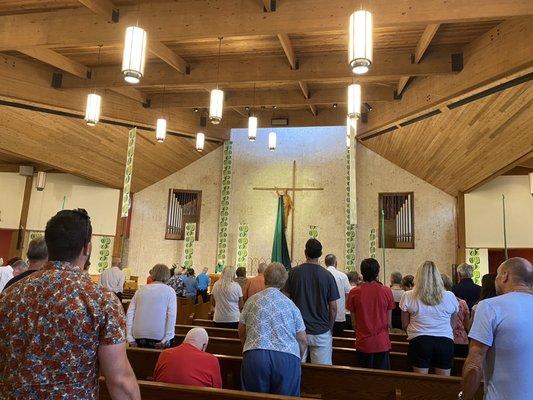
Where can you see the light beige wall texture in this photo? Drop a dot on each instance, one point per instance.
(434, 215)
(11, 195)
(320, 162)
(484, 215)
(147, 245)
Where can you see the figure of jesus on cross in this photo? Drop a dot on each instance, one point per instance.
(288, 202)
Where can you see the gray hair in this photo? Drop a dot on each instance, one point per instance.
(160, 273)
(465, 270)
(330, 260)
(396, 278)
(198, 338)
(276, 275)
(20, 266)
(261, 267)
(520, 269)
(37, 249)
(447, 282)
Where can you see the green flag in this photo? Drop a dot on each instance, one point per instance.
(280, 251)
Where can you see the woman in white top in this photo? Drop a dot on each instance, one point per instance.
(428, 315)
(151, 317)
(226, 299)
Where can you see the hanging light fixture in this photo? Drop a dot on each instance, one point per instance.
(161, 125)
(134, 54)
(360, 42)
(200, 141)
(92, 109)
(41, 181)
(252, 123)
(354, 101)
(272, 141)
(216, 103)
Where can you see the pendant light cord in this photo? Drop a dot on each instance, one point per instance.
(164, 88)
(98, 62)
(253, 103)
(138, 11)
(218, 63)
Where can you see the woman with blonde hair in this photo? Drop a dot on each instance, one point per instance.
(428, 316)
(226, 300)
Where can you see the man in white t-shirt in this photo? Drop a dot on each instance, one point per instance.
(343, 285)
(501, 349)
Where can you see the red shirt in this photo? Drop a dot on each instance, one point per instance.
(371, 303)
(186, 365)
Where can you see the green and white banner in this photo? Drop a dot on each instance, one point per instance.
(223, 219)
(350, 210)
(104, 253)
(372, 242)
(242, 246)
(128, 172)
(313, 232)
(188, 246)
(479, 259)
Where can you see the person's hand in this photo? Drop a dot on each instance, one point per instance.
(160, 345)
(132, 344)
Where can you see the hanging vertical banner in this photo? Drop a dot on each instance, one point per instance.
(223, 219)
(188, 246)
(372, 243)
(350, 225)
(313, 232)
(132, 134)
(242, 246)
(479, 259)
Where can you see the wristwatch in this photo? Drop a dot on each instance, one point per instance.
(460, 396)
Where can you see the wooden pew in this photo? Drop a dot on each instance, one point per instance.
(165, 391)
(398, 346)
(330, 382)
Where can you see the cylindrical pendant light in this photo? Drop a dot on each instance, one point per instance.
(348, 131)
(354, 101)
(360, 42)
(215, 106)
(200, 141)
(134, 54)
(41, 181)
(272, 141)
(252, 128)
(92, 109)
(161, 130)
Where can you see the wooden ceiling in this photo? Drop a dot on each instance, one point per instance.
(292, 57)
(459, 148)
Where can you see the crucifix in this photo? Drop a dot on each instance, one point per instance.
(288, 202)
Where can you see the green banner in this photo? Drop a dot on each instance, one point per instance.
(132, 134)
(350, 213)
(280, 250)
(242, 246)
(372, 242)
(223, 219)
(188, 246)
(313, 232)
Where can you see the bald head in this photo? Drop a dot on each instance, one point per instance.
(198, 338)
(513, 274)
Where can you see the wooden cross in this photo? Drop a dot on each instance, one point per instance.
(292, 189)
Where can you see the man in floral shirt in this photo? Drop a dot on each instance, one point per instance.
(57, 327)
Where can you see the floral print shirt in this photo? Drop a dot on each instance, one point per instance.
(51, 325)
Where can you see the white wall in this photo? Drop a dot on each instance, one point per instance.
(11, 194)
(100, 202)
(434, 215)
(320, 155)
(147, 245)
(483, 213)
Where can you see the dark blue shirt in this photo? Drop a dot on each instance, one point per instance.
(467, 290)
(203, 281)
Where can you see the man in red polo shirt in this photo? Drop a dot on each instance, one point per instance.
(189, 364)
(371, 305)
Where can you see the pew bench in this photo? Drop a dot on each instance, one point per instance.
(330, 382)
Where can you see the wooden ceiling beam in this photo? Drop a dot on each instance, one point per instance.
(288, 49)
(313, 109)
(279, 97)
(269, 5)
(168, 56)
(488, 61)
(314, 68)
(133, 94)
(57, 60)
(165, 20)
(420, 50)
(305, 89)
(103, 8)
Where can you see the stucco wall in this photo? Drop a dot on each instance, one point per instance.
(434, 215)
(147, 245)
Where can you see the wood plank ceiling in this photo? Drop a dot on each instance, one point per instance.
(461, 147)
(293, 58)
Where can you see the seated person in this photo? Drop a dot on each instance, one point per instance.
(189, 364)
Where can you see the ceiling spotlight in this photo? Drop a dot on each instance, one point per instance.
(368, 106)
(195, 109)
(274, 107)
(334, 105)
(247, 108)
